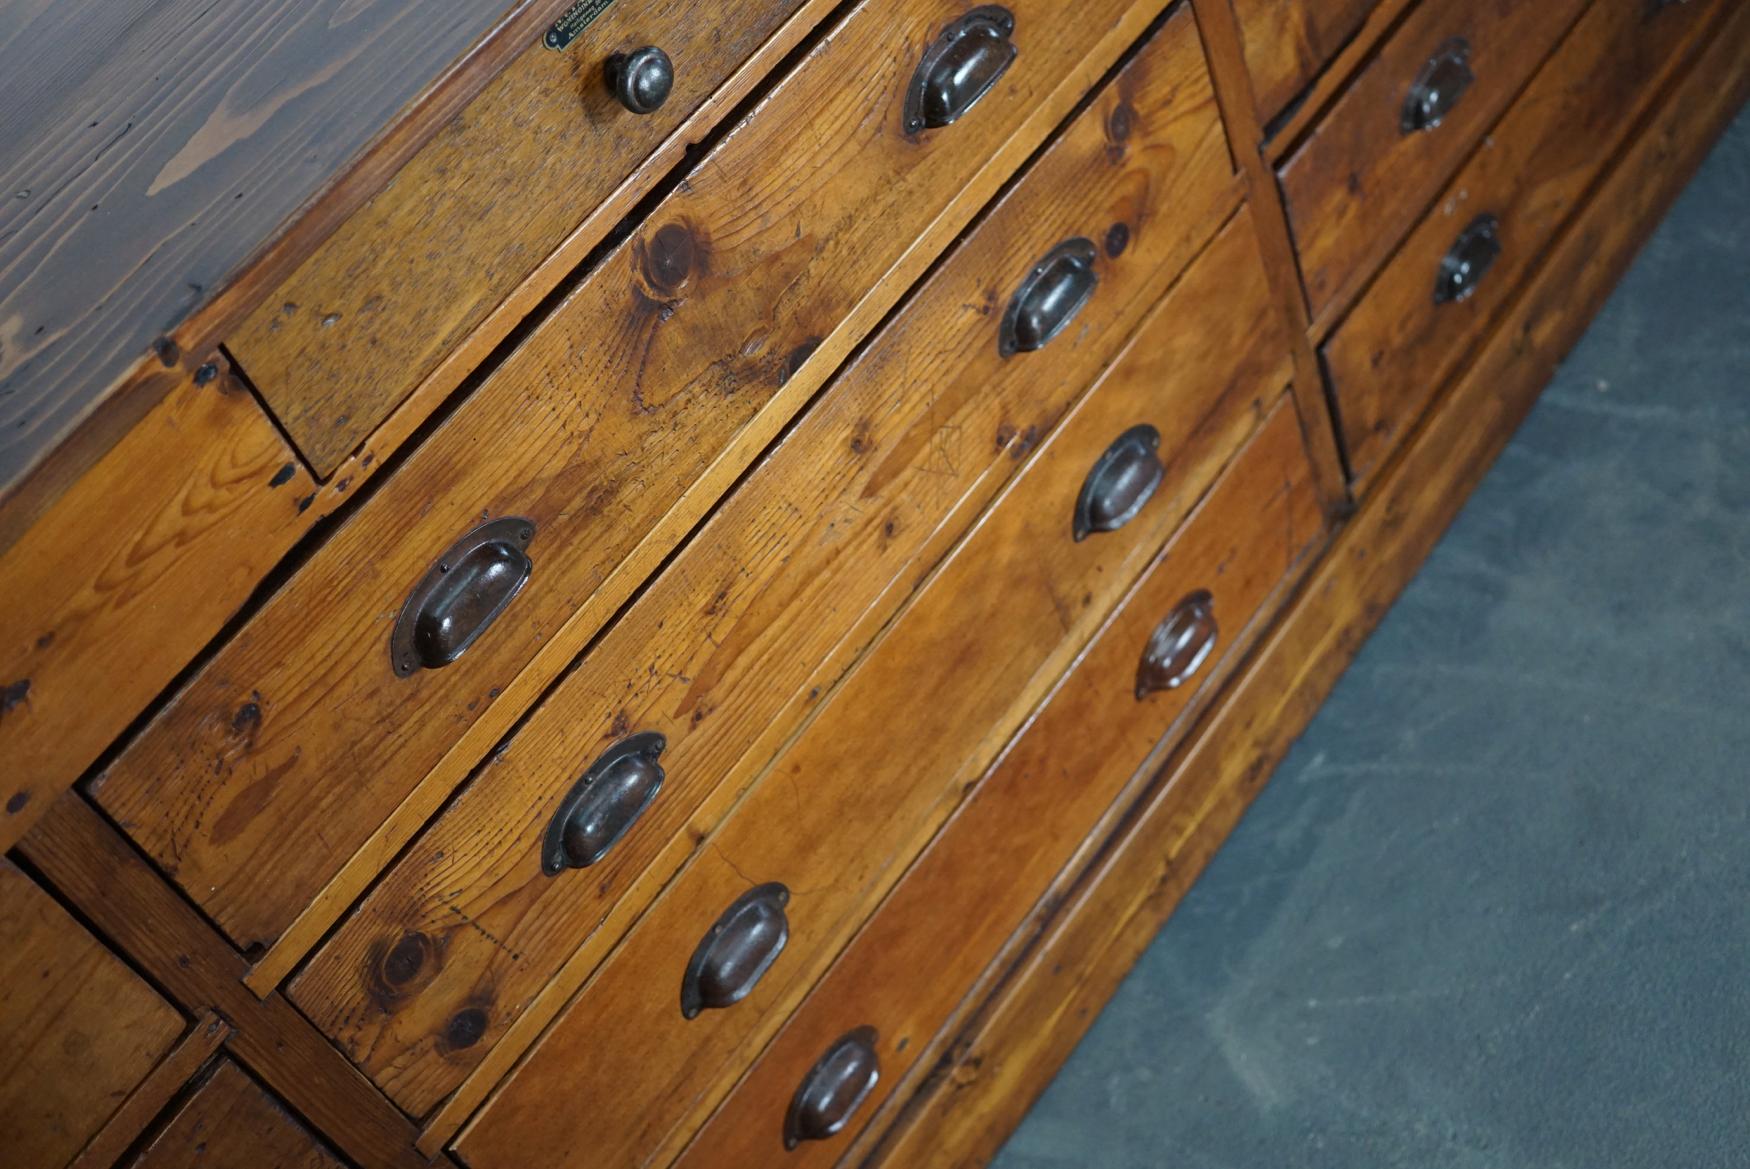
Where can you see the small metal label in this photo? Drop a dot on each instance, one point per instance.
(570, 26)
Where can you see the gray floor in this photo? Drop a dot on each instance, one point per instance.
(1494, 909)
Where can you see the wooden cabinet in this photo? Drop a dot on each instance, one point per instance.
(696, 605)
(228, 1122)
(79, 1030)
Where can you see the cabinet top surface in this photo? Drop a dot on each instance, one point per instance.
(149, 149)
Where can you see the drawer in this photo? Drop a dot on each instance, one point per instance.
(79, 1030)
(1288, 42)
(1028, 817)
(1366, 173)
(1466, 259)
(778, 594)
(679, 357)
(229, 1122)
(829, 827)
(410, 276)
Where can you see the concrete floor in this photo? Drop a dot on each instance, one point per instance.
(1494, 909)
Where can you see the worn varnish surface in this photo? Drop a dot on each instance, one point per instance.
(773, 599)
(149, 147)
(1358, 182)
(78, 1029)
(283, 756)
(230, 1123)
(1025, 819)
(1398, 346)
(1288, 41)
(90, 864)
(845, 808)
(168, 1080)
(995, 1067)
(335, 347)
(129, 574)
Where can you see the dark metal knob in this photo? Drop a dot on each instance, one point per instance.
(1179, 646)
(642, 79)
(834, 1088)
(464, 592)
(736, 953)
(1473, 254)
(1124, 479)
(1048, 300)
(604, 804)
(968, 58)
(1438, 88)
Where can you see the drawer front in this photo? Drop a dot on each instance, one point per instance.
(1364, 174)
(1415, 324)
(229, 1122)
(1287, 43)
(79, 1030)
(403, 282)
(1031, 814)
(839, 815)
(777, 595)
(679, 357)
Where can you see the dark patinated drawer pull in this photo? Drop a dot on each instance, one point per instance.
(1475, 252)
(642, 79)
(1438, 88)
(736, 953)
(834, 1088)
(604, 804)
(1048, 300)
(1124, 478)
(462, 594)
(1179, 646)
(968, 58)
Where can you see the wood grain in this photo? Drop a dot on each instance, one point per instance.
(415, 271)
(230, 1123)
(1026, 818)
(154, 1095)
(989, 1072)
(95, 869)
(1359, 182)
(149, 147)
(127, 577)
(782, 589)
(1533, 173)
(1287, 42)
(78, 1029)
(864, 785)
(614, 427)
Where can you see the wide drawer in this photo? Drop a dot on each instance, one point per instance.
(1371, 165)
(1287, 43)
(765, 608)
(79, 1030)
(1028, 817)
(678, 358)
(229, 1122)
(1467, 258)
(407, 279)
(625, 1075)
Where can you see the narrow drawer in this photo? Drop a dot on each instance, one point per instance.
(1288, 42)
(1027, 818)
(780, 591)
(1371, 165)
(577, 466)
(403, 282)
(1467, 258)
(79, 1030)
(229, 1122)
(678, 1011)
